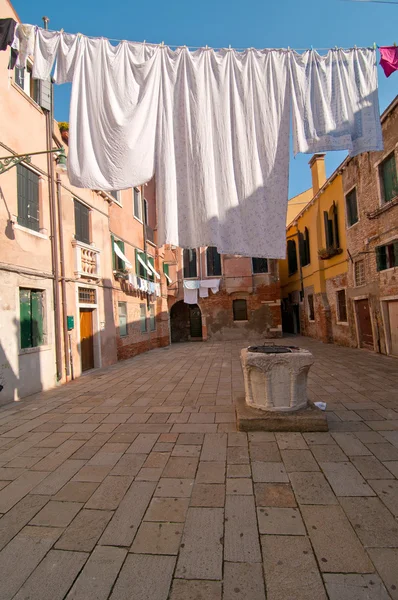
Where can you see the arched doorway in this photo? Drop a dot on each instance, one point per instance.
(185, 322)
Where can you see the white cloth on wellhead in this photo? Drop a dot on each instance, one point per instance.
(213, 126)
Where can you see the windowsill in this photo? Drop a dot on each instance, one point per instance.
(211, 277)
(30, 231)
(388, 269)
(353, 225)
(138, 219)
(345, 323)
(383, 208)
(43, 348)
(191, 278)
(26, 96)
(265, 273)
(242, 321)
(89, 246)
(311, 320)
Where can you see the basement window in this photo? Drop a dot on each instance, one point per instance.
(341, 306)
(240, 310)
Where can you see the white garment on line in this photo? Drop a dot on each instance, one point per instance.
(219, 121)
(203, 292)
(190, 296)
(24, 43)
(191, 284)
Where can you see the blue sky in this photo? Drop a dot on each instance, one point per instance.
(219, 23)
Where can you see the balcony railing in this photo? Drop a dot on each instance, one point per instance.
(87, 261)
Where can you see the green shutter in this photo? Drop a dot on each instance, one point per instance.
(381, 258)
(150, 260)
(37, 317)
(389, 177)
(22, 187)
(25, 318)
(113, 252)
(327, 229)
(395, 251)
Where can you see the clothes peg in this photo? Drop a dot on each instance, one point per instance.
(374, 46)
(395, 44)
(312, 47)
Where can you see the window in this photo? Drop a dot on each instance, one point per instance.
(117, 195)
(311, 313)
(166, 272)
(260, 265)
(82, 222)
(31, 311)
(137, 204)
(292, 257)
(190, 263)
(139, 267)
(151, 261)
(87, 296)
(152, 318)
(28, 198)
(331, 227)
(145, 202)
(304, 247)
(118, 263)
(388, 178)
(359, 271)
(352, 207)
(341, 306)
(31, 87)
(240, 310)
(122, 310)
(143, 317)
(213, 261)
(387, 256)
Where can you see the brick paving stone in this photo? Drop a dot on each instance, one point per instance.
(174, 488)
(386, 562)
(201, 417)
(94, 473)
(384, 452)
(127, 518)
(269, 472)
(143, 443)
(290, 441)
(149, 474)
(186, 450)
(163, 447)
(126, 438)
(355, 587)
(348, 426)
(372, 521)
(190, 438)
(243, 581)
(324, 453)
(19, 516)
(239, 486)
(167, 509)
(85, 453)
(348, 415)
(84, 531)
(110, 493)
(369, 437)
(194, 428)
(53, 577)
(392, 437)
(280, 553)
(76, 491)
(129, 464)
(55, 458)
(261, 436)
(280, 521)
(211, 495)
(178, 467)
(105, 459)
(266, 451)
(10, 474)
(387, 490)
(299, 460)
(239, 471)
(241, 542)
(149, 576)
(99, 574)
(336, 546)
(201, 549)
(351, 445)
(390, 425)
(238, 455)
(345, 479)
(392, 466)
(56, 514)
(237, 439)
(312, 488)
(17, 489)
(371, 468)
(214, 447)
(184, 589)
(157, 538)
(210, 472)
(22, 555)
(274, 494)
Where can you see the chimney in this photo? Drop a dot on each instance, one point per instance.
(318, 172)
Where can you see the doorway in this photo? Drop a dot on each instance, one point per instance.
(86, 339)
(364, 324)
(195, 321)
(393, 326)
(185, 322)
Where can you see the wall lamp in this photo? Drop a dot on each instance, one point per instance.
(7, 162)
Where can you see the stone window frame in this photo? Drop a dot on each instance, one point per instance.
(346, 194)
(338, 320)
(376, 166)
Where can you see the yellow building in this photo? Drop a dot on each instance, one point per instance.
(314, 274)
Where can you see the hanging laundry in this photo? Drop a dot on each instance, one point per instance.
(157, 289)
(335, 101)
(24, 43)
(206, 284)
(190, 295)
(191, 284)
(227, 110)
(389, 59)
(203, 292)
(7, 28)
(133, 281)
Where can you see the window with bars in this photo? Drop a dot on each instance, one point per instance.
(292, 257)
(341, 306)
(122, 313)
(359, 273)
(351, 207)
(304, 247)
(82, 222)
(87, 296)
(137, 208)
(259, 265)
(240, 310)
(387, 256)
(388, 178)
(213, 262)
(143, 318)
(152, 318)
(311, 312)
(28, 198)
(190, 263)
(31, 316)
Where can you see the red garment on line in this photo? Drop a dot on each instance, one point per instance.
(389, 59)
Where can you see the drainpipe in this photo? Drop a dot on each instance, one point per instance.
(53, 230)
(63, 284)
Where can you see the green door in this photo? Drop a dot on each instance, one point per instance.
(195, 321)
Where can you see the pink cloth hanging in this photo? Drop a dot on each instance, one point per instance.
(389, 59)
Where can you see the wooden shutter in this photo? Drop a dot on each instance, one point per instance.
(37, 317)
(307, 246)
(44, 94)
(150, 260)
(336, 237)
(292, 256)
(113, 252)
(381, 258)
(301, 249)
(327, 230)
(389, 177)
(120, 264)
(22, 187)
(82, 221)
(139, 269)
(395, 252)
(213, 259)
(25, 318)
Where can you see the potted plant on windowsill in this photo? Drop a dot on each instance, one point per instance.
(64, 131)
(325, 253)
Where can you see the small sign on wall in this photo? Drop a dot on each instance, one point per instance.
(71, 322)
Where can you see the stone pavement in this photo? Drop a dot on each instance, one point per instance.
(132, 483)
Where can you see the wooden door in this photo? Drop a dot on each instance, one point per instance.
(393, 318)
(86, 339)
(364, 324)
(195, 321)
